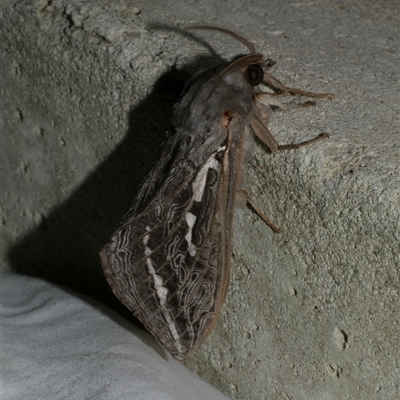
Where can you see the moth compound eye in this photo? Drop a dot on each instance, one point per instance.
(255, 74)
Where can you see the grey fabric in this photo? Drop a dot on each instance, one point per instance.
(56, 345)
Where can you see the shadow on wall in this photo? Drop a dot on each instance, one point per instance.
(65, 248)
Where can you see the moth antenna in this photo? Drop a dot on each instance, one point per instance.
(228, 32)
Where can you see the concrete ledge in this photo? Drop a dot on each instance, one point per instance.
(87, 94)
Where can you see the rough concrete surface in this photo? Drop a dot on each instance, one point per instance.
(86, 96)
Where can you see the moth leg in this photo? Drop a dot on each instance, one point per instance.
(263, 133)
(266, 137)
(300, 92)
(260, 129)
(275, 84)
(302, 144)
(282, 90)
(258, 211)
(270, 99)
(301, 105)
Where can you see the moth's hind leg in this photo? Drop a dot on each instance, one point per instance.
(243, 195)
(302, 144)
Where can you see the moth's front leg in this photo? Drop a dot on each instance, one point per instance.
(243, 195)
(300, 92)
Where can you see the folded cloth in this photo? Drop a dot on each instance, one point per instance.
(56, 345)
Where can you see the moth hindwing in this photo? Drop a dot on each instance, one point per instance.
(169, 259)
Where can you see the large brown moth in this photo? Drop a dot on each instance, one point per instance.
(169, 259)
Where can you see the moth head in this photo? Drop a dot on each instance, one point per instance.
(251, 65)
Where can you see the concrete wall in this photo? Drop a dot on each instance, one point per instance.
(86, 96)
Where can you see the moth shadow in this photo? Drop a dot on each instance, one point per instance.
(65, 248)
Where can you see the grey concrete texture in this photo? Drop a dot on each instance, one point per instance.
(86, 96)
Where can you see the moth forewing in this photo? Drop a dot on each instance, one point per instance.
(169, 260)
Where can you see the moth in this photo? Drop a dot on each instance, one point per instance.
(169, 259)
